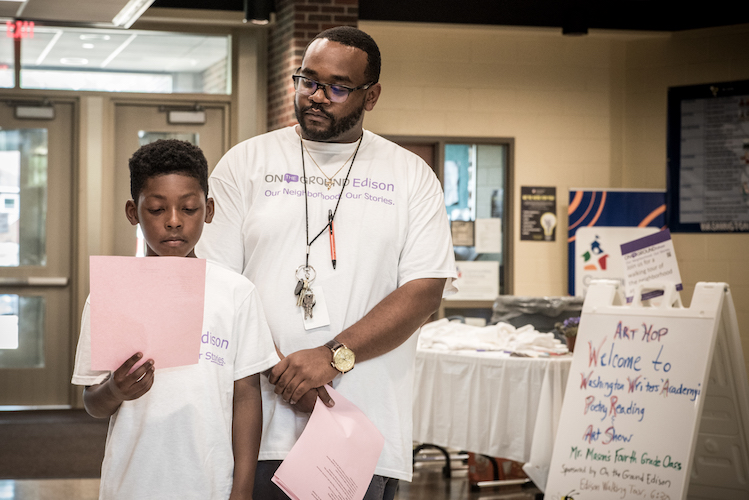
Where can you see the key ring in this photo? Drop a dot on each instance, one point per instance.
(309, 276)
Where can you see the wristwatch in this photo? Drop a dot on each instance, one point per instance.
(343, 357)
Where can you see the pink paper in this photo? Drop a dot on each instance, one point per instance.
(336, 455)
(149, 304)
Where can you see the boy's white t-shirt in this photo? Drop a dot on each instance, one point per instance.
(175, 441)
(391, 227)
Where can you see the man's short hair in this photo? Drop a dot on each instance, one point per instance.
(167, 156)
(354, 37)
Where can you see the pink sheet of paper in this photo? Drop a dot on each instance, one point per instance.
(149, 304)
(336, 455)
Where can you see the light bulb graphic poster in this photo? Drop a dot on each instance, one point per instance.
(599, 222)
(538, 213)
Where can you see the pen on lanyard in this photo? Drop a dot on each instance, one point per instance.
(332, 237)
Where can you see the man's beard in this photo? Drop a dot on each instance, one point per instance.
(337, 127)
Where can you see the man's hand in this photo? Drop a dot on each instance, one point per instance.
(307, 402)
(390, 323)
(302, 371)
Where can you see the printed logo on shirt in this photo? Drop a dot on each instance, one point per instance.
(355, 182)
(222, 344)
(367, 184)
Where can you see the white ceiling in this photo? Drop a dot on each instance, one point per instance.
(79, 34)
(71, 12)
(122, 50)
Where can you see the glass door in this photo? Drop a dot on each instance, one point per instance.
(36, 200)
(139, 124)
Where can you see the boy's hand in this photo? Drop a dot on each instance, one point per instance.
(127, 386)
(102, 400)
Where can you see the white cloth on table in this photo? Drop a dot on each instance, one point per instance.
(450, 335)
(545, 429)
(491, 403)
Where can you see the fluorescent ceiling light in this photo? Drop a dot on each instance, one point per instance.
(117, 51)
(74, 61)
(49, 47)
(93, 36)
(131, 12)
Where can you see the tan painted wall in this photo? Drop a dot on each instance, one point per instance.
(585, 112)
(699, 56)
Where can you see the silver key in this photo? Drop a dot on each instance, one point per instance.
(308, 302)
(302, 292)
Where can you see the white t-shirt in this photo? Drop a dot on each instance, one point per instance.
(391, 227)
(175, 441)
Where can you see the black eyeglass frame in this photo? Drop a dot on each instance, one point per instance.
(324, 86)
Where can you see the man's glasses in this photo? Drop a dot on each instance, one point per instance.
(334, 93)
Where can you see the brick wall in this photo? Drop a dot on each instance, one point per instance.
(214, 78)
(297, 22)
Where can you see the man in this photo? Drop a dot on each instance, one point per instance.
(346, 238)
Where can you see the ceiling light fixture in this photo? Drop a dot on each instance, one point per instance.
(258, 11)
(117, 51)
(131, 12)
(48, 48)
(74, 61)
(93, 36)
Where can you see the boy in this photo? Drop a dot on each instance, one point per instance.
(191, 431)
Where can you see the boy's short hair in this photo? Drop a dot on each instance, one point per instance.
(167, 156)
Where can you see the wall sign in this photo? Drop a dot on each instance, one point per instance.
(624, 214)
(638, 394)
(538, 213)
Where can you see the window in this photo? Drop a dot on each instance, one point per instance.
(23, 194)
(21, 331)
(123, 61)
(476, 177)
(7, 73)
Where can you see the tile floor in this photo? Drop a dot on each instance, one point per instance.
(49, 489)
(428, 484)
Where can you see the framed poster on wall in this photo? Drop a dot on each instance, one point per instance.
(599, 221)
(708, 158)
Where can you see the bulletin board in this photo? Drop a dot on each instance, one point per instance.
(708, 157)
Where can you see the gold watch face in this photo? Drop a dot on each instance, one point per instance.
(343, 359)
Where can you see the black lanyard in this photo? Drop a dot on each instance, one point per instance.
(306, 209)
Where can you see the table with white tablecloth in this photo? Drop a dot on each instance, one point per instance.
(491, 403)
